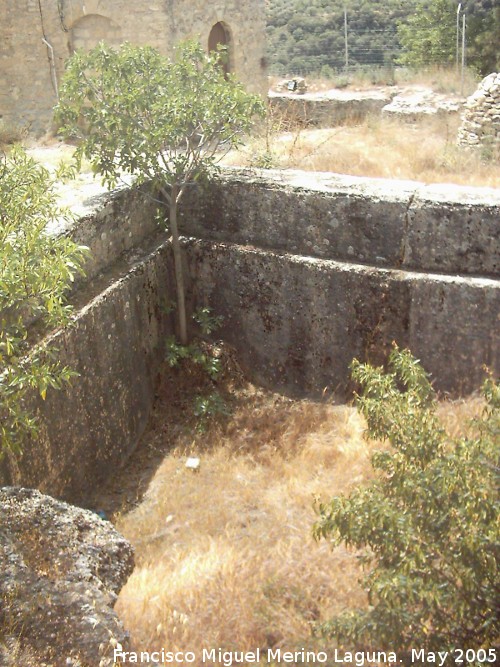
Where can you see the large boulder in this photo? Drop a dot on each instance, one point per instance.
(61, 568)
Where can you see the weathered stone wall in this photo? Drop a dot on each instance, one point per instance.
(297, 322)
(116, 345)
(480, 127)
(398, 224)
(308, 270)
(328, 109)
(338, 107)
(30, 71)
(312, 270)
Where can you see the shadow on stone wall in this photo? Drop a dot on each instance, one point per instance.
(309, 271)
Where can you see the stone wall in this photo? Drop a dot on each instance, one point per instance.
(116, 345)
(297, 322)
(328, 109)
(30, 69)
(308, 270)
(337, 107)
(385, 223)
(312, 270)
(480, 127)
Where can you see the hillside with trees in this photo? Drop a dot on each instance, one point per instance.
(484, 35)
(306, 36)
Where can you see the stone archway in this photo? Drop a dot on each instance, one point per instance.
(220, 35)
(91, 29)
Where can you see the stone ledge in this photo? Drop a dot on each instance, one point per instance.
(394, 224)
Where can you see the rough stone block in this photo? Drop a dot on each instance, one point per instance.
(62, 568)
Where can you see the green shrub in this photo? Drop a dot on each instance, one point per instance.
(36, 272)
(205, 357)
(427, 528)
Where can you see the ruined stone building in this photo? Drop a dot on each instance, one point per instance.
(37, 36)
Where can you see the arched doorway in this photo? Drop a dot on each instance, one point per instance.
(220, 35)
(91, 29)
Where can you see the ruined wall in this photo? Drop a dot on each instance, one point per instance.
(116, 345)
(297, 322)
(30, 71)
(337, 107)
(480, 127)
(312, 270)
(380, 222)
(328, 109)
(308, 270)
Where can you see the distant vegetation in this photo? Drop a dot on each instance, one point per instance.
(306, 36)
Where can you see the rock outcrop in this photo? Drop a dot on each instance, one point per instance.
(327, 108)
(61, 568)
(481, 119)
(415, 102)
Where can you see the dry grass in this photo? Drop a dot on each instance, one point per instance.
(440, 79)
(9, 135)
(225, 556)
(378, 147)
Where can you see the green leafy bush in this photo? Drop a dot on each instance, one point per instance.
(204, 356)
(207, 321)
(208, 407)
(36, 271)
(427, 527)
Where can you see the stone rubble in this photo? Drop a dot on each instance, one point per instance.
(480, 127)
(296, 85)
(414, 102)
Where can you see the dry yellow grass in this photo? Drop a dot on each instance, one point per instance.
(225, 556)
(379, 147)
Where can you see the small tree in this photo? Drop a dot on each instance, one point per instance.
(428, 526)
(165, 122)
(36, 270)
(428, 36)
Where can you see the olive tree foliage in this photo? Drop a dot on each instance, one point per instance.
(36, 271)
(167, 122)
(427, 528)
(428, 36)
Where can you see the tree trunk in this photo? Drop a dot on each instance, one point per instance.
(179, 275)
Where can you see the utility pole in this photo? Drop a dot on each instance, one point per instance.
(463, 55)
(458, 36)
(346, 45)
